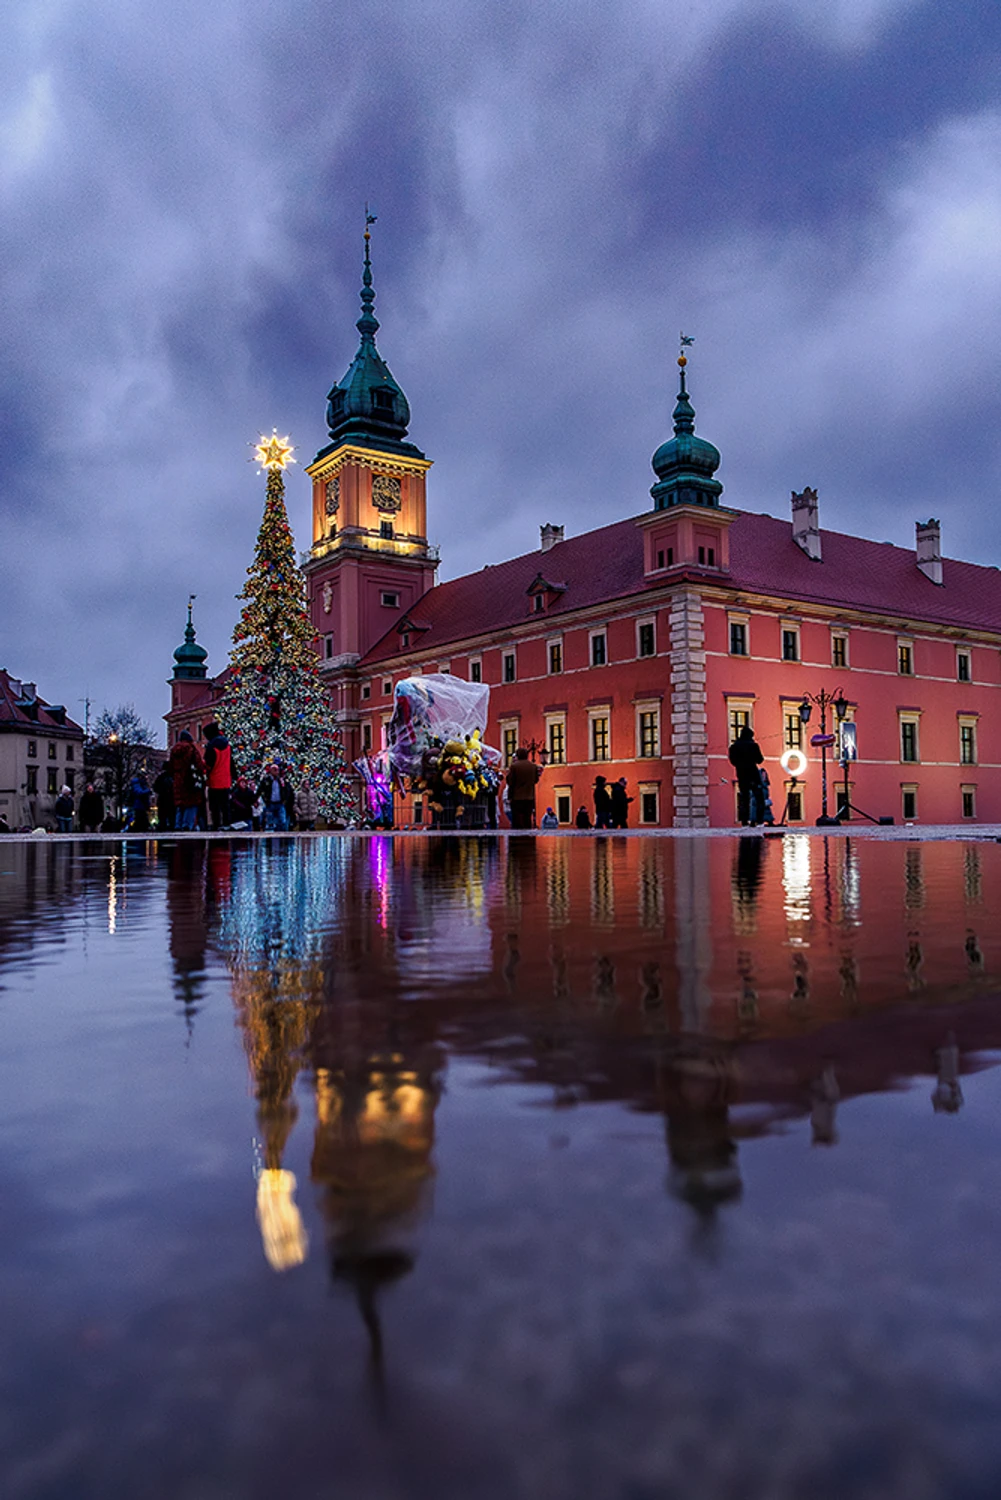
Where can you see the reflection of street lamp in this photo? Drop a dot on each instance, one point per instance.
(824, 700)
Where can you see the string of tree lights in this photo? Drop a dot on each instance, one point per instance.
(275, 709)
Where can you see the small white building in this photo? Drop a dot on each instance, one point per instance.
(41, 750)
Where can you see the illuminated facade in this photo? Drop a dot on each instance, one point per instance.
(640, 648)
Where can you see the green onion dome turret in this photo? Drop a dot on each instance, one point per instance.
(367, 406)
(190, 658)
(685, 464)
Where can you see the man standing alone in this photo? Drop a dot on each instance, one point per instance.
(522, 776)
(745, 757)
(219, 765)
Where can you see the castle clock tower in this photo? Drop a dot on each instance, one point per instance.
(370, 560)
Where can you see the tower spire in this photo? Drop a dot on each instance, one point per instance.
(368, 323)
(685, 464)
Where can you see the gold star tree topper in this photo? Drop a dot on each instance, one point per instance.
(273, 452)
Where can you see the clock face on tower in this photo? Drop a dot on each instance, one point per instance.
(386, 493)
(333, 493)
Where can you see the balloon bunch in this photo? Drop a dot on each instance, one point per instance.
(455, 765)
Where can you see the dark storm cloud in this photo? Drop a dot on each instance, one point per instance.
(811, 190)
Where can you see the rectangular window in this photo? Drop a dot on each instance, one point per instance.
(366, 737)
(563, 804)
(366, 690)
(969, 796)
(738, 638)
(509, 742)
(963, 672)
(389, 599)
(32, 749)
(909, 803)
(967, 742)
(790, 645)
(556, 740)
(69, 752)
(649, 803)
(738, 715)
(839, 651)
(509, 666)
(539, 603)
(555, 656)
(645, 639)
(53, 782)
(418, 810)
(475, 669)
(905, 659)
(599, 737)
(52, 751)
(329, 646)
(387, 686)
(599, 649)
(794, 804)
(909, 739)
(792, 730)
(707, 557)
(386, 530)
(31, 786)
(445, 668)
(648, 733)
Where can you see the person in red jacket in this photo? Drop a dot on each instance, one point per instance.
(186, 766)
(219, 766)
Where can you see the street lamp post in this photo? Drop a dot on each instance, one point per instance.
(824, 700)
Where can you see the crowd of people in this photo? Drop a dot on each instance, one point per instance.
(611, 799)
(194, 792)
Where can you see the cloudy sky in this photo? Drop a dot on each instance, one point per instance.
(810, 187)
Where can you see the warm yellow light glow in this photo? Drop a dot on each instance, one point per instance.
(274, 452)
(283, 1233)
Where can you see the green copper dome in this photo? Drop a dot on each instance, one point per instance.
(685, 464)
(367, 406)
(190, 657)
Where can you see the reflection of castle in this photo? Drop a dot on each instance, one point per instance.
(687, 978)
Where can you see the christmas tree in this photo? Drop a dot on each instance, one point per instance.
(275, 708)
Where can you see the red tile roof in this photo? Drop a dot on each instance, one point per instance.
(605, 565)
(35, 715)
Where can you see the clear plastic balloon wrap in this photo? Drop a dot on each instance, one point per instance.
(433, 711)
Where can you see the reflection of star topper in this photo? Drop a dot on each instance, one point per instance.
(273, 452)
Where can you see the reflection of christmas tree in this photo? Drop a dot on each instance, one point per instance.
(275, 707)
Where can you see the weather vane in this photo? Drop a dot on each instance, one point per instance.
(686, 342)
(369, 220)
(273, 452)
(191, 600)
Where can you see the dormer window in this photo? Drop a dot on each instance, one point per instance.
(382, 400)
(337, 403)
(539, 603)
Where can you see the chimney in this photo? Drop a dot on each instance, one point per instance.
(549, 536)
(929, 547)
(805, 523)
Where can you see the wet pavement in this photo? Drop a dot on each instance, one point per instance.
(568, 1166)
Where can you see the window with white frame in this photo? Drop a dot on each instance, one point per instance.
(366, 736)
(366, 690)
(739, 715)
(475, 669)
(556, 738)
(646, 638)
(909, 801)
(509, 739)
(599, 730)
(649, 799)
(839, 648)
(790, 641)
(647, 730)
(598, 648)
(905, 658)
(739, 634)
(964, 671)
(509, 667)
(384, 739)
(390, 599)
(909, 744)
(968, 798)
(555, 655)
(792, 726)
(563, 804)
(967, 739)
